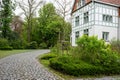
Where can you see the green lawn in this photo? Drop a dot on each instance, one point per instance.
(4, 53)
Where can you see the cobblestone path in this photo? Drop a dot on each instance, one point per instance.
(24, 66)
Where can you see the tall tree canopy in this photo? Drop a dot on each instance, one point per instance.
(29, 9)
(6, 16)
(50, 25)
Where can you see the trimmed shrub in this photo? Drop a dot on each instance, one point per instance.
(4, 45)
(74, 67)
(68, 65)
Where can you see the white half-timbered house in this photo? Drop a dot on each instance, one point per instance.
(100, 18)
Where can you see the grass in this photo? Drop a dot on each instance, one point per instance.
(4, 53)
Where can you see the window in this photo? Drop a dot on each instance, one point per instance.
(82, 2)
(76, 34)
(78, 4)
(107, 18)
(86, 32)
(105, 36)
(86, 17)
(77, 21)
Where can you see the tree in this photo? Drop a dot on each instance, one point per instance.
(50, 25)
(63, 8)
(29, 9)
(6, 16)
(16, 24)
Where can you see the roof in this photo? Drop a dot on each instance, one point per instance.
(114, 2)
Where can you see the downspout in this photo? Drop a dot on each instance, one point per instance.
(119, 23)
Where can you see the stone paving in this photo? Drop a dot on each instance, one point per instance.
(24, 66)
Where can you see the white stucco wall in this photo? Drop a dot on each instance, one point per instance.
(82, 25)
(119, 29)
(96, 25)
(101, 26)
(100, 29)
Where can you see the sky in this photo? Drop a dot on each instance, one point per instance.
(19, 12)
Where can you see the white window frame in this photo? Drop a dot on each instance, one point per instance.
(86, 17)
(82, 2)
(86, 32)
(77, 21)
(107, 18)
(77, 34)
(105, 36)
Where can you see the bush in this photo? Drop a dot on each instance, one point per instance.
(66, 45)
(74, 67)
(32, 45)
(115, 45)
(88, 46)
(71, 66)
(90, 57)
(18, 44)
(109, 59)
(4, 44)
(6, 48)
(43, 45)
(48, 56)
(57, 48)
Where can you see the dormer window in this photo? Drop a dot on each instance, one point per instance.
(82, 2)
(79, 4)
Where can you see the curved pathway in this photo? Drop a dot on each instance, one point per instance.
(24, 66)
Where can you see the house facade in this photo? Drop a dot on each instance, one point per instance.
(100, 18)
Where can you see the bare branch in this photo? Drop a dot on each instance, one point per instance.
(29, 8)
(63, 7)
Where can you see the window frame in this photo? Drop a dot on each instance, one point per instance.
(86, 32)
(107, 18)
(77, 34)
(77, 21)
(86, 17)
(105, 36)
